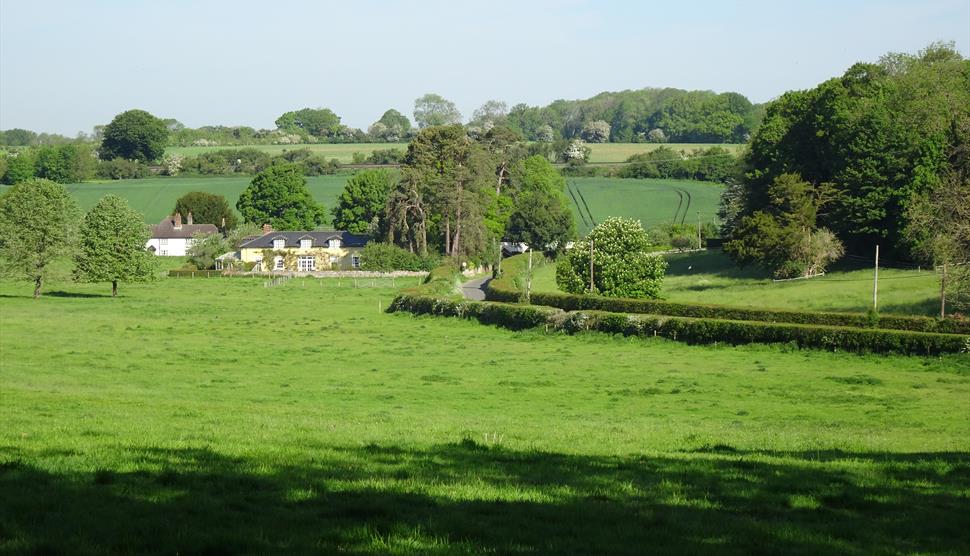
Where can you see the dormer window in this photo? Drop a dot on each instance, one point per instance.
(333, 244)
(306, 243)
(279, 243)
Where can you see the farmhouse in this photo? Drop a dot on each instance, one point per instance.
(303, 251)
(171, 238)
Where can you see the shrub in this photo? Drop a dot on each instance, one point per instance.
(386, 257)
(121, 169)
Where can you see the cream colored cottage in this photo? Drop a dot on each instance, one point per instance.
(303, 251)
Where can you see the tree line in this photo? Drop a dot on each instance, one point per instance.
(878, 156)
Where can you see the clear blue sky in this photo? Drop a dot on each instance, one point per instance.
(66, 66)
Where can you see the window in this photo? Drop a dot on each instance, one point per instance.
(163, 252)
(307, 263)
(334, 244)
(279, 244)
(355, 261)
(278, 263)
(306, 243)
(163, 241)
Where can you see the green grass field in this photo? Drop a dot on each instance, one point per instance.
(601, 152)
(710, 277)
(218, 416)
(652, 202)
(155, 197)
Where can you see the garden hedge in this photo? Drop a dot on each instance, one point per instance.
(570, 302)
(691, 330)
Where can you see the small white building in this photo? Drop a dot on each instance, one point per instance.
(171, 238)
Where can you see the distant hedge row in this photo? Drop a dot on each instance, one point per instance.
(501, 291)
(691, 330)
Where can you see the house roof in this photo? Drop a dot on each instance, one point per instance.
(292, 239)
(167, 229)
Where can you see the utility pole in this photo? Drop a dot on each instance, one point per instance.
(943, 293)
(875, 283)
(528, 283)
(698, 230)
(590, 265)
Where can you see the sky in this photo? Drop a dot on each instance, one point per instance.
(66, 66)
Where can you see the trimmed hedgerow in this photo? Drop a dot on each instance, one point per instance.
(571, 302)
(505, 287)
(515, 317)
(691, 330)
(442, 280)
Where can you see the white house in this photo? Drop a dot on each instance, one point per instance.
(171, 238)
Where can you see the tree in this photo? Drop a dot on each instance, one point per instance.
(361, 204)
(206, 208)
(319, 122)
(134, 135)
(434, 110)
(38, 225)
(543, 221)
(784, 238)
(21, 167)
(623, 265)
(494, 111)
(656, 135)
(112, 245)
(544, 134)
(205, 248)
(70, 163)
(279, 196)
(393, 126)
(596, 132)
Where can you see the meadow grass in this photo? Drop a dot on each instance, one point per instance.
(710, 277)
(601, 152)
(221, 416)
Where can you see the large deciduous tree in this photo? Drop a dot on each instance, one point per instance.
(134, 135)
(279, 196)
(112, 245)
(361, 204)
(433, 110)
(319, 122)
(541, 216)
(206, 208)
(622, 266)
(38, 224)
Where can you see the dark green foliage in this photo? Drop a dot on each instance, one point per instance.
(682, 116)
(312, 164)
(21, 167)
(206, 208)
(386, 257)
(882, 135)
(227, 161)
(112, 245)
(134, 135)
(515, 317)
(122, 169)
(541, 216)
(386, 156)
(320, 123)
(69, 163)
(279, 196)
(362, 202)
(712, 164)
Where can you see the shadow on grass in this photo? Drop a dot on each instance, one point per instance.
(57, 293)
(710, 262)
(470, 498)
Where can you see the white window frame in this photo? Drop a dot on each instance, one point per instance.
(163, 241)
(163, 252)
(279, 244)
(303, 267)
(333, 244)
(355, 261)
(278, 263)
(306, 243)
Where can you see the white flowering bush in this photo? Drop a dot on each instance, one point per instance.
(623, 265)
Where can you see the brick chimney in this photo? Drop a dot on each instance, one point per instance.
(188, 219)
(177, 224)
(267, 228)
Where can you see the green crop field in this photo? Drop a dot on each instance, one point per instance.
(155, 197)
(219, 416)
(710, 277)
(650, 201)
(601, 152)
